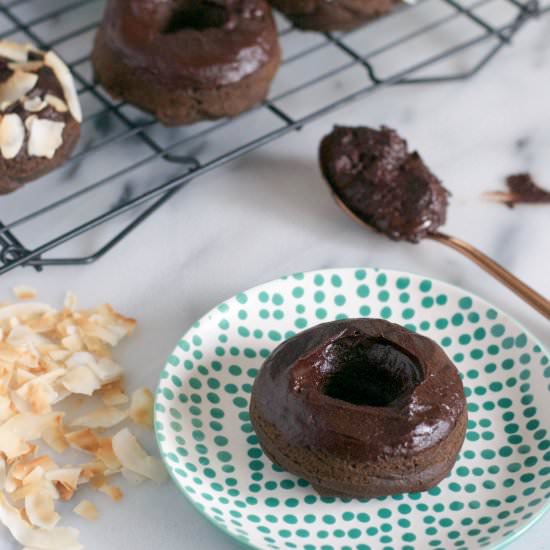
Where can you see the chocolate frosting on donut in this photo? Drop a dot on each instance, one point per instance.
(192, 43)
(415, 401)
(374, 175)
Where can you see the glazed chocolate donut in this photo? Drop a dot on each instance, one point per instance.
(375, 176)
(360, 408)
(187, 60)
(332, 15)
(39, 114)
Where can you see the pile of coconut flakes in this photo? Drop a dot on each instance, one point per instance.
(54, 361)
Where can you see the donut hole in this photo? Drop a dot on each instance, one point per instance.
(371, 372)
(194, 15)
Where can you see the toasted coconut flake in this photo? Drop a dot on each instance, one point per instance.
(106, 454)
(86, 509)
(22, 469)
(54, 435)
(132, 456)
(113, 393)
(23, 339)
(34, 105)
(27, 66)
(24, 310)
(5, 408)
(141, 408)
(65, 481)
(105, 369)
(58, 104)
(38, 393)
(41, 510)
(67, 83)
(67, 476)
(81, 380)
(14, 51)
(59, 354)
(3, 473)
(72, 342)
(21, 428)
(12, 134)
(105, 417)
(91, 471)
(23, 491)
(16, 86)
(85, 440)
(34, 476)
(60, 538)
(46, 136)
(114, 492)
(71, 301)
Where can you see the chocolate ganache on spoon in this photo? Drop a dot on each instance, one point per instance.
(380, 184)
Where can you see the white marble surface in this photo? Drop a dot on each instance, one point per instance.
(269, 214)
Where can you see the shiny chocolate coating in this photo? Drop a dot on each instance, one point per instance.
(191, 43)
(375, 176)
(428, 397)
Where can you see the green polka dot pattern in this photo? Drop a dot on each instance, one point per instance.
(501, 482)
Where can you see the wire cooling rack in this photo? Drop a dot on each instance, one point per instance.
(126, 165)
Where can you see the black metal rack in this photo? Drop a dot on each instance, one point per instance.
(431, 41)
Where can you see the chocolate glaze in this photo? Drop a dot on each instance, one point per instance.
(522, 190)
(332, 15)
(192, 43)
(375, 176)
(415, 407)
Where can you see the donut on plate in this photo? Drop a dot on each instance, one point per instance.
(40, 114)
(187, 60)
(333, 15)
(360, 408)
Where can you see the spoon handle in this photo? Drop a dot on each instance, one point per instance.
(533, 298)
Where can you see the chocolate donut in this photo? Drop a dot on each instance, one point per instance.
(360, 408)
(332, 15)
(187, 60)
(375, 176)
(39, 114)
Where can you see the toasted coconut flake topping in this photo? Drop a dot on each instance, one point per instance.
(132, 456)
(42, 539)
(65, 78)
(45, 136)
(110, 490)
(24, 292)
(14, 51)
(141, 408)
(46, 356)
(12, 135)
(86, 509)
(58, 104)
(113, 393)
(16, 86)
(41, 510)
(34, 105)
(105, 417)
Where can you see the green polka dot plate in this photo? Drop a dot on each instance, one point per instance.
(498, 488)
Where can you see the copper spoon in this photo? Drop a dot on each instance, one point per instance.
(526, 293)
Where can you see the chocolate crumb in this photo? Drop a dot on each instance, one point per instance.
(521, 190)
